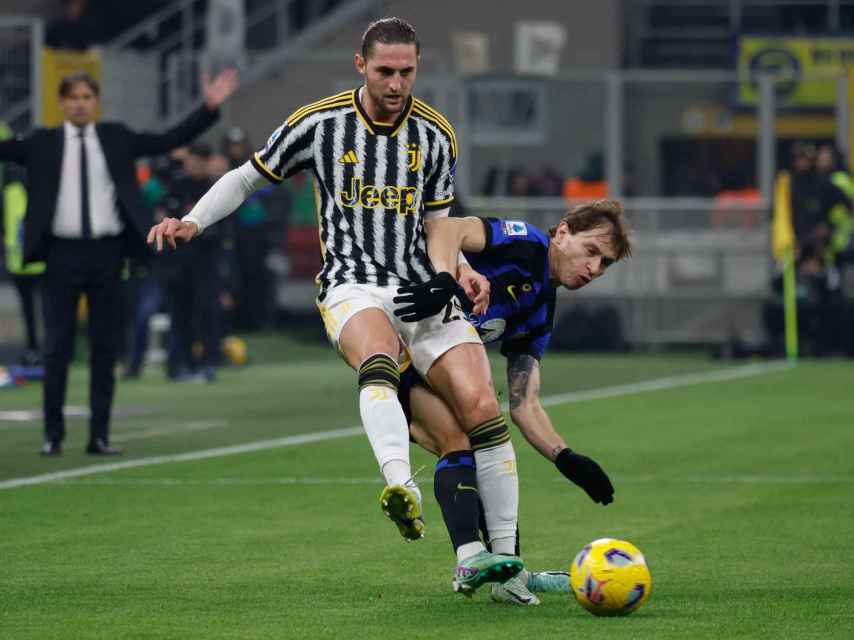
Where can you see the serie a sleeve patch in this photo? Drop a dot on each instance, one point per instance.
(515, 228)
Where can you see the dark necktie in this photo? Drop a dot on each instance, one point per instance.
(86, 220)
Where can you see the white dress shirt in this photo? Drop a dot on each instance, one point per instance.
(103, 208)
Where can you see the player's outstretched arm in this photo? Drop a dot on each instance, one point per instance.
(446, 237)
(475, 285)
(221, 199)
(527, 412)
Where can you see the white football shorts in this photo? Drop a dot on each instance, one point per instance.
(425, 340)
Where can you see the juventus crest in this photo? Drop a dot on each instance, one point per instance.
(413, 156)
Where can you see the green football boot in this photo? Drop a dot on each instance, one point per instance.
(549, 582)
(402, 506)
(484, 567)
(514, 591)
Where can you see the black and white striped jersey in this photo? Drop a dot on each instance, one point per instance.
(372, 181)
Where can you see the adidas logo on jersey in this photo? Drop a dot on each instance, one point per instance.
(349, 158)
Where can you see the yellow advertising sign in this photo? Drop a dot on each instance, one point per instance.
(795, 61)
(55, 66)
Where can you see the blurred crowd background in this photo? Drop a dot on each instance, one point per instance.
(723, 125)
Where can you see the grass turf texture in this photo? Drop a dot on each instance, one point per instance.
(738, 493)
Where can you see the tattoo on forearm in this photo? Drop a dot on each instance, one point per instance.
(519, 369)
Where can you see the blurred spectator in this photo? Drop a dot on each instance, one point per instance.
(26, 277)
(490, 181)
(837, 198)
(805, 199)
(589, 183)
(252, 231)
(517, 183)
(74, 30)
(809, 219)
(193, 278)
(146, 295)
(546, 183)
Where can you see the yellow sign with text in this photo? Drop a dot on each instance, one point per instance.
(55, 66)
(805, 68)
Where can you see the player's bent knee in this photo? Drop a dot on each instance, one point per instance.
(474, 407)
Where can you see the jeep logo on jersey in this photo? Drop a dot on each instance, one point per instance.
(490, 330)
(404, 199)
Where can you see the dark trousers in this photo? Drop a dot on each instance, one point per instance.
(92, 267)
(193, 289)
(148, 300)
(253, 295)
(26, 287)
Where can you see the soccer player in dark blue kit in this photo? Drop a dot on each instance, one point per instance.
(524, 266)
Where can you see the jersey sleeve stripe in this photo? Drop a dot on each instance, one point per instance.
(295, 119)
(448, 132)
(264, 170)
(452, 139)
(438, 204)
(317, 103)
(297, 115)
(438, 116)
(426, 107)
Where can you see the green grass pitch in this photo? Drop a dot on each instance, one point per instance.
(739, 493)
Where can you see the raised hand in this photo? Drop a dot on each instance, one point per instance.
(223, 85)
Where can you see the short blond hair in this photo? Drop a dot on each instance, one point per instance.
(596, 214)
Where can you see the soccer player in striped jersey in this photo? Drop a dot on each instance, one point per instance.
(525, 267)
(383, 164)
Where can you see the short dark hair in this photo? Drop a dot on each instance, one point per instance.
(389, 31)
(72, 79)
(596, 214)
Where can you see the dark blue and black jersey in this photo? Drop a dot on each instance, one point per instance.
(521, 309)
(522, 297)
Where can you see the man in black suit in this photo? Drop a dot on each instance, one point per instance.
(84, 216)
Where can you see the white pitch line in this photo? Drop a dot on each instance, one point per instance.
(310, 480)
(288, 441)
(173, 430)
(659, 384)
(670, 382)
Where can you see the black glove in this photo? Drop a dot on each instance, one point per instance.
(427, 299)
(587, 474)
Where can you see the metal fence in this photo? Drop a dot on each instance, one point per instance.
(20, 84)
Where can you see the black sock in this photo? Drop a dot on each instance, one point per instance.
(455, 487)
